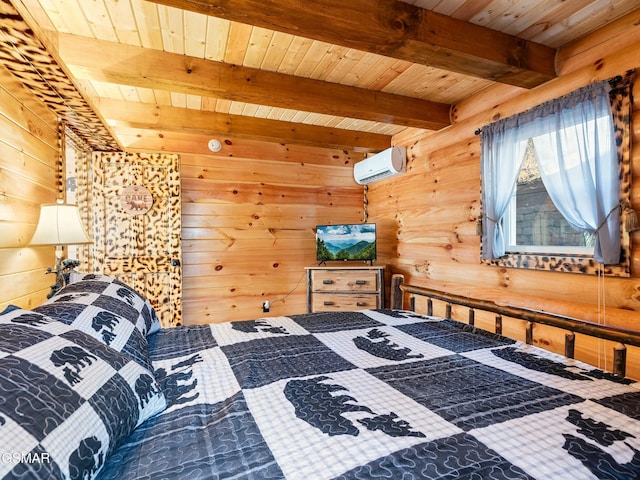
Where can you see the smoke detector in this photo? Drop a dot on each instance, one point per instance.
(214, 145)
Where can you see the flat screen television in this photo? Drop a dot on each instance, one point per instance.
(346, 242)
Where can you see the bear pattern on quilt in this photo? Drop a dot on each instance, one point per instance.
(315, 397)
(108, 310)
(66, 400)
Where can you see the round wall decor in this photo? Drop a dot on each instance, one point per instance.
(136, 199)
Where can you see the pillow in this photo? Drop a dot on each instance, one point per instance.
(109, 311)
(117, 297)
(103, 325)
(67, 400)
(8, 309)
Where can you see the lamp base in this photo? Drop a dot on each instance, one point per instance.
(62, 271)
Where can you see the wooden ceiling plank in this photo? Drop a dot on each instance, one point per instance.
(441, 6)
(502, 15)
(122, 20)
(575, 26)
(163, 97)
(258, 46)
(146, 95)
(379, 79)
(331, 67)
(130, 93)
(148, 24)
(548, 17)
(108, 90)
(470, 9)
(194, 102)
(70, 17)
(178, 100)
(371, 68)
(239, 35)
(395, 29)
(277, 51)
(222, 106)
(344, 70)
(297, 50)
(152, 117)
(171, 27)
(217, 37)
(195, 33)
(99, 20)
(126, 64)
(307, 64)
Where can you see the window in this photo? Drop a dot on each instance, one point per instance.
(533, 224)
(555, 183)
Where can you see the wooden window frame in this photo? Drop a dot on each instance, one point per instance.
(621, 102)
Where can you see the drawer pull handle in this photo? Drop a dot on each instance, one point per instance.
(361, 304)
(327, 304)
(327, 282)
(361, 282)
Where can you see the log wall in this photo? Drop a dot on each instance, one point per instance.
(433, 209)
(28, 178)
(248, 224)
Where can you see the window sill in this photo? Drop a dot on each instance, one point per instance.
(584, 264)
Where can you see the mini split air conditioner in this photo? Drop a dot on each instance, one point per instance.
(389, 162)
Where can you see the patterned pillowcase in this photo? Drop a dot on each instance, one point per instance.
(66, 400)
(116, 296)
(103, 325)
(109, 311)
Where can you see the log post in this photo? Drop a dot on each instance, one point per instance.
(569, 345)
(447, 313)
(529, 333)
(472, 317)
(499, 324)
(397, 296)
(620, 359)
(429, 307)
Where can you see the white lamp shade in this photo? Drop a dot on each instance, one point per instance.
(59, 224)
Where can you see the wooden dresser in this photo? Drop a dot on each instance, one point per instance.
(332, 289)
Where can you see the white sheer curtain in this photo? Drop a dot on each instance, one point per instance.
(575, 148)
(502, 156)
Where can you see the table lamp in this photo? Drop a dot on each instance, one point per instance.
(59, 225)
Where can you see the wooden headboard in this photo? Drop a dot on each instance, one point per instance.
(623, 337)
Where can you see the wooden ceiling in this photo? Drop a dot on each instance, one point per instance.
(340, 73)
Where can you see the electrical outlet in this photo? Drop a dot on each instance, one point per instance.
(266, 306)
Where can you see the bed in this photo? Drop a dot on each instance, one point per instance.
(93, 388)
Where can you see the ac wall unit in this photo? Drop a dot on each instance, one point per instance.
(389, 162)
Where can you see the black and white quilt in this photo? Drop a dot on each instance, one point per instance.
(376, 394)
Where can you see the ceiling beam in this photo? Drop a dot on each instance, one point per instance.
(155, 69)
(161, 117)
(395, 29)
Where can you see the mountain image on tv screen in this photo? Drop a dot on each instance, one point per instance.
(346, 242)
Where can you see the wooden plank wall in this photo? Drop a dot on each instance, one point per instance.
(28, 178)
(249, 217)
(434, 207)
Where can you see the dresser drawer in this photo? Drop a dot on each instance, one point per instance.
(334, 302)
(340, 289)
(348, 280)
